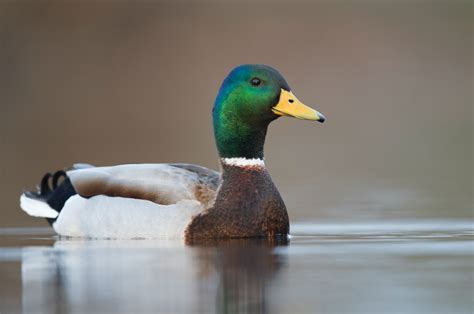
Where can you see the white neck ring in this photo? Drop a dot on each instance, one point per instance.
(243, 162)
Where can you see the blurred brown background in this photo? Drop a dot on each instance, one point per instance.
(119, 82)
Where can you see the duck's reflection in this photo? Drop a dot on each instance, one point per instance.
(244, 268)
(231, 276)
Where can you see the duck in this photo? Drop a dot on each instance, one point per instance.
(177, 200)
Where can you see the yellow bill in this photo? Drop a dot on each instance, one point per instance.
(289, 105)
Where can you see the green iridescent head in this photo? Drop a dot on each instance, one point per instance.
(251, 97)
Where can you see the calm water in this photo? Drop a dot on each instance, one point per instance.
(400, 267)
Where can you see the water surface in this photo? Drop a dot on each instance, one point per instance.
(397, 267)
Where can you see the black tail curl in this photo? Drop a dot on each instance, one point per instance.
(46, 188)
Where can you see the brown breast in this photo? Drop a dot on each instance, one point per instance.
(247, 205)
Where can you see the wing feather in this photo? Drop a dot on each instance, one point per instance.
(160, 183)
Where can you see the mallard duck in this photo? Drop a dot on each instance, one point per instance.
(184, 200)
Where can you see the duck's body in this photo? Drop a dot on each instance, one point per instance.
(183, 200)
(127, 201)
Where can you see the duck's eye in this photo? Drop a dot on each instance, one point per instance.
(255, 81)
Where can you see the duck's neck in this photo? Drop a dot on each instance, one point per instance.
(239, 139)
